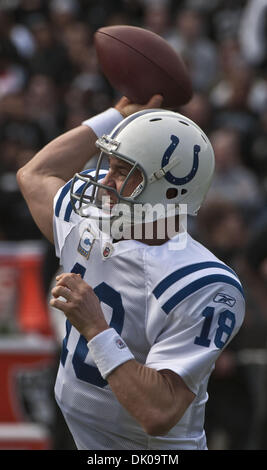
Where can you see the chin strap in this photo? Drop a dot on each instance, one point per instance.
(162, 171)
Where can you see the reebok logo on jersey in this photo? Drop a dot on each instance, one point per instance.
(223, 298)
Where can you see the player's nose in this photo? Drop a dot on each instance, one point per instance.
(109, 180)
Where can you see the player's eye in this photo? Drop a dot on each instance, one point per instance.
(123, 172)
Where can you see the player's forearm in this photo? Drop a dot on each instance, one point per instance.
(65, 155)
(148, 396)
(70, 152)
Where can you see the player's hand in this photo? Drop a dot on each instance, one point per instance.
(81, 307)
(126, 107)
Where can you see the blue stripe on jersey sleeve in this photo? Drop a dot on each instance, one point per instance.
(195, 286)
(182, 272)
(78, 191)
(63, 193)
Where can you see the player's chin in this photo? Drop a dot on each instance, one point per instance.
(108, 203)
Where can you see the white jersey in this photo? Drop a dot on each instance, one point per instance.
(175, 310)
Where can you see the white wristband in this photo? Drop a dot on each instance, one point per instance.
(109, 351)
(105, 122)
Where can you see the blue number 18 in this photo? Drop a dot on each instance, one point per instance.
(224, 328)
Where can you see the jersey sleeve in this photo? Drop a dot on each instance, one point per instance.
(189, 326)
(65, 218)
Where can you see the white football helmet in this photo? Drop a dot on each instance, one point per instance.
(174, 155)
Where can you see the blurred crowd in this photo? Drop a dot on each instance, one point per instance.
(50, 82)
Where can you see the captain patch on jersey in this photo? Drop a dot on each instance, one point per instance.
(86, 242)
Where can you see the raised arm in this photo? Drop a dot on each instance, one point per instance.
(40, 179)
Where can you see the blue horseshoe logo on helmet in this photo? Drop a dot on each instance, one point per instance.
(166, 157)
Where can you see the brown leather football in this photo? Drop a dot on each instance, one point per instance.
(139, 63)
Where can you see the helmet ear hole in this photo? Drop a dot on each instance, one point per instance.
(171, 193)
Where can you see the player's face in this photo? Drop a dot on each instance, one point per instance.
(115, 178)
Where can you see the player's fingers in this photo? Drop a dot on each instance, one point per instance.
(60, 304)
(124, 106)
(70, 280)
(61, 291)
(155, 102)
(60, 276)
(124, 101)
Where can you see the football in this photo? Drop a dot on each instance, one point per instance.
(139, 63)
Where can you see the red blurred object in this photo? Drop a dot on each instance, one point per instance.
(21, 355)
(22, 297)
(24, 436)
(27, 349)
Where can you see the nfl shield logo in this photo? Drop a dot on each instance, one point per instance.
(106, 252)
(108, 249)
(120, 344)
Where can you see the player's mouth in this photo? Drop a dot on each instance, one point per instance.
(107, 200)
